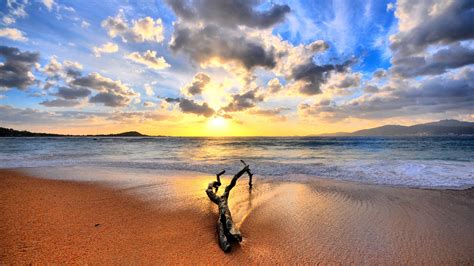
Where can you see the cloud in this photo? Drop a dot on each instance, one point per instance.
(190, 106)
(85, 24)
(220, 36)
(318, 46)
(14, 10)
(214, 43)
(267, 112)
(311, 76)
(53, 68)
(15, 116)
(371, 89)
(59, 103)
(72, 93)
(432, 22)
(56, 70)
(297, 64)
(27, 116)
(345, 81)
(15, 71)
(230, 39)
(149, 90)
(244, 101)
(200, 81)
(149, 59)
(274, 114)
(380, 73)
(274, 86)
(105, 48)
(9, 114)
(149, 104)
(49, 4)
(229, 13)
(110, 93)
(137, 117)
(390, 7)
(13, 34)
(141, 30)
(440, 94)
(110, 99)
(451, 57)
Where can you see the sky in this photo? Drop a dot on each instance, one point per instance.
(233, 67)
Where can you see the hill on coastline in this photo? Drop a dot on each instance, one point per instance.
(439, 128)
(9, 132)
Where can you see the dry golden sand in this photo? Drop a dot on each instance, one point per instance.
(322, 221)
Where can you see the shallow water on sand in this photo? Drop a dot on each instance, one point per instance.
(317, 220)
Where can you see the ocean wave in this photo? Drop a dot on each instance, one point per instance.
(416, 162)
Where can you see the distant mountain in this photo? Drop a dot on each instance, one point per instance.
(440, 128)
(124, 134)
(8, 132)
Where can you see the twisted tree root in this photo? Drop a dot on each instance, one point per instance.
(226, 230)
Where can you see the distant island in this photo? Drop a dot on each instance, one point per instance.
(9, 132)
(440, 128)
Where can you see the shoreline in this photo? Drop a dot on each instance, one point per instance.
(51, 172)
(170, 219)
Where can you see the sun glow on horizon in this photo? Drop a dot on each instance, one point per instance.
(218, 122)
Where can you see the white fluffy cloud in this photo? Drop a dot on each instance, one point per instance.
(141, 30)
(13, 34)
(149, 59)
(105, 48)
(49, 4)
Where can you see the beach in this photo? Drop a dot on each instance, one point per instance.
(112, 216)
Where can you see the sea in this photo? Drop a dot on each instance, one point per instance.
(426, 162)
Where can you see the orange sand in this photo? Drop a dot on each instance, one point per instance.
(323, 221)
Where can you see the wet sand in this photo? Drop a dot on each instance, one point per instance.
(171, 221)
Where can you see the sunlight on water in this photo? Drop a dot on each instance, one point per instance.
(409, 161)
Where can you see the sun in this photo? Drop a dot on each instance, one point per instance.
(218, 122)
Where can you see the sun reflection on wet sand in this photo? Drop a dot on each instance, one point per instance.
(311, 221)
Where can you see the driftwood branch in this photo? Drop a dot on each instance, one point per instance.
(226, 230)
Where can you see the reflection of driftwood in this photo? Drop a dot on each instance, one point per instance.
(226, 229)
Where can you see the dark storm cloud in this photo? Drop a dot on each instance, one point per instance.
(72, 93)
(15, 71)
(243, 101)
(229, 13)
(454, 23)
(214, 42)
(59, 103)
(453, 56)
(314, 75)
(190, 106)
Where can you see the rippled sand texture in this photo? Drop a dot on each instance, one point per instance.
(171, 220)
